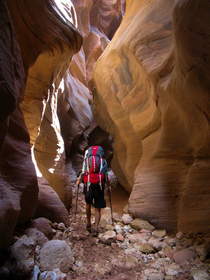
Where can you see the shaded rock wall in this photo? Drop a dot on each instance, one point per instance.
(153, 96)
(18, 183)
(41, 44)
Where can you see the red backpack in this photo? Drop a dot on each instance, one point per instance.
(94, 165)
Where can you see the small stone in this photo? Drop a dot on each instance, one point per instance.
(170, 241)
(127, 229)
(183, 256)
(199, 274)
(145, 248)
(152, 274)
(126, 219)
(118, 228)
(131, 262)
(125, 209)
(120, 237)
(202, 252)
(179, 235)
(137, 237)
(56, 254)
(156, 243)
(38, 237)
(60, 275)
(58, 235)
(159, 233)
(102, 269)
(61, 226)
(117, 217)
(172, 269)
(47, 275)
(107, 237)
(109, 227)
(142, 224)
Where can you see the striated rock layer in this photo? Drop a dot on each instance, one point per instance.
(153, 96)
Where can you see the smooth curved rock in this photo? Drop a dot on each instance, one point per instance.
(153, 97)
(47, 42)
(18, 183)
(39, 29)
(50, 206)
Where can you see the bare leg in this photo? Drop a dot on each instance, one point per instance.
(88, 214)
(97, 217)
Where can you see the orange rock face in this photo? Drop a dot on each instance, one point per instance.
(153, 96)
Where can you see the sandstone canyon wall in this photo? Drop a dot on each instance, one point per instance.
(37, 38)
(152, 95)
(97, 21)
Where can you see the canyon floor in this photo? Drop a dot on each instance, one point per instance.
(128, 249)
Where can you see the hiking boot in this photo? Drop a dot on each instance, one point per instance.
(95, 232)
(88, 228)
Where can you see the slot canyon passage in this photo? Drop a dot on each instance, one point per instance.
(134, 77)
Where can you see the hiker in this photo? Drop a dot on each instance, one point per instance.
(94, 176)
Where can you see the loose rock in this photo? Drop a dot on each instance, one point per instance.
(38, 237)
(23, 251)
(183, 256)
(141, 224)
(145, 248)
(199, 274)
(126, 219)
(44, 225)
(172, 269)
(56, 254)
(159, 233)
(107, 237)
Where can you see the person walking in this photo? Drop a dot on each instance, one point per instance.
(95, 178)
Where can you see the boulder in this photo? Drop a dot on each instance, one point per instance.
(23, 250)
(184, 255)
(50, 206)
(44, 225)
(56, 254)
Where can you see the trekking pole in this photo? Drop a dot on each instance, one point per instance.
(77, 195)
(110, 202)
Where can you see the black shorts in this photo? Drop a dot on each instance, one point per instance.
(95, 196)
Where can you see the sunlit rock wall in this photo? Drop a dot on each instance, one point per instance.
(97, 21)
(48, 42)
(152, 94)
